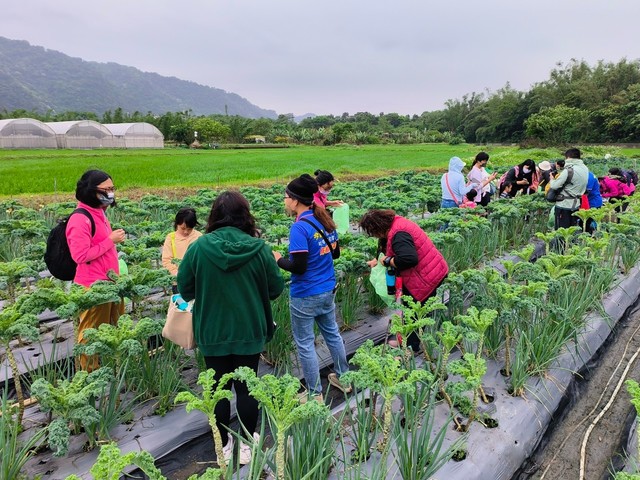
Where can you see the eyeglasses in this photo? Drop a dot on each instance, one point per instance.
(108, 189)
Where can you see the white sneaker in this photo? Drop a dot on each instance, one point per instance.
(227, 450)
(245, 451)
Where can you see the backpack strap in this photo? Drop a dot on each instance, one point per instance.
(173, 245)
(324, 236)
(446, 180)
(86, 213)
(568, 180)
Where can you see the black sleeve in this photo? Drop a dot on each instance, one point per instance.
(406, 255)
(297, 265)
(511, 175)
(336, 251)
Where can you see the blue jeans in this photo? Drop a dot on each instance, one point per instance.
(306, 311)
(445, 203)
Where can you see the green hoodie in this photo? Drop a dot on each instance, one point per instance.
(232, 277)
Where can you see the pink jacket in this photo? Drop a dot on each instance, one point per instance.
(431, 269)
(611, 187)
(320, 199)
(95, 255)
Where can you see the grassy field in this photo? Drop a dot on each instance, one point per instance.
(44, 172)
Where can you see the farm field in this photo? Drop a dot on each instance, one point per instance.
(528, 308)
(46, 172)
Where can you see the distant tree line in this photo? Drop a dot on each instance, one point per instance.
(578, 103)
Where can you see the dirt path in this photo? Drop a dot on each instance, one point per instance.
(559, 455)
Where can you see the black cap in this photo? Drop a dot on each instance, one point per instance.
(302, 188)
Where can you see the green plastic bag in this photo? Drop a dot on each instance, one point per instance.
(122, 266)
(341, 217)
(378, 279)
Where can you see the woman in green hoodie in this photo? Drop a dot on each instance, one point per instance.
(232, 275)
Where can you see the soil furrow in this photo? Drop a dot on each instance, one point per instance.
(559, 454)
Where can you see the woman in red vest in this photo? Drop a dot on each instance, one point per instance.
(410, 252)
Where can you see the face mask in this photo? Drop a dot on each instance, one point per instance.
(107, 199)
(526, 170)
(323, 191)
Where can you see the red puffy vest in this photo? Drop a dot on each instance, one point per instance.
(431, 269)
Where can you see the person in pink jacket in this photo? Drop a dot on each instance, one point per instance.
(94, 254)
(615, 186)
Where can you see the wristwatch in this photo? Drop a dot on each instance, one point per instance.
(387, 261)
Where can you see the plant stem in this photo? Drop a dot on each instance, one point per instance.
(217, 442)
(507, 351)
(16, 381)
(280, 461)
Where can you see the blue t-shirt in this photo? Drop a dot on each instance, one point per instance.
(320, 276)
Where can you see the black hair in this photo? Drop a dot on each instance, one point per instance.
(504, 186)
(471, 194)
(528, 163)
(572, 153)
(231, 209)
(480, 157)
(323, 177)
(186, 215)
(86, 188)
(615, 171)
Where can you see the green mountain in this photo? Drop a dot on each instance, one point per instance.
(36, 79)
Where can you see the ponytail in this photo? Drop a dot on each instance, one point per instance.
(324, 218)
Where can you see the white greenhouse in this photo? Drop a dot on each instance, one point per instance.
(26, 133)
(82, 134)
(135, 135)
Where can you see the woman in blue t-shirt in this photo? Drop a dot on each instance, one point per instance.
(313, 244)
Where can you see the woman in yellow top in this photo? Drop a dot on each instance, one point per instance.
(176, 243)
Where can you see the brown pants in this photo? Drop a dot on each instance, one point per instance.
(93, 318)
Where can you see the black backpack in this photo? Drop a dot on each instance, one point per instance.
(57, 255)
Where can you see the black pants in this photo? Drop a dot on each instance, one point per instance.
(564, 218)
(485, 199)
(246, 406)
(413, 341)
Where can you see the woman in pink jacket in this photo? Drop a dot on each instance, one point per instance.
(95, 253)
(615, 186)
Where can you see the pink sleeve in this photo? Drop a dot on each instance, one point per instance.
(80, 240)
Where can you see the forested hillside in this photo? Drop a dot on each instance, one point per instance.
(36, 79)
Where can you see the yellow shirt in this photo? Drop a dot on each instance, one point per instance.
(181, 244)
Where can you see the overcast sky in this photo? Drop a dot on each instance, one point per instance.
(335, 56)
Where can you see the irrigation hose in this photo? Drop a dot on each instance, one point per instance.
(583, 450)
(604, 391)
